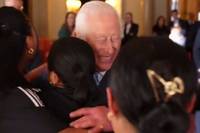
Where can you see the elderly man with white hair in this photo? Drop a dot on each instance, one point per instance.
(99, 25)
(18, 4)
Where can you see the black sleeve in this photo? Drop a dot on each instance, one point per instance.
(19, 115)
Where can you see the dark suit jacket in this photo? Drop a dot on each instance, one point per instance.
(196, 49)
(101, 88)
(160, 31)
(132, 32)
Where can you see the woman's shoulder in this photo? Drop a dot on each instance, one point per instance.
(21, 97)
(23, 111)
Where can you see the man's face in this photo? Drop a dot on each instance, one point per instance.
(18, 4)
(128, 18)
(104, 38)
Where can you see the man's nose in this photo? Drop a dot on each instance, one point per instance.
(109, 46)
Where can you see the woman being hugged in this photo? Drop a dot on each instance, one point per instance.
(71, 65)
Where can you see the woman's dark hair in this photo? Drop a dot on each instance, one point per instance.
(133, 90)
(129, 13)
(14, 28)
(67, 15)
(158, 19)
(73, 61)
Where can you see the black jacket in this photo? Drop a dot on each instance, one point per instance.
(22, 112)
(132, 32)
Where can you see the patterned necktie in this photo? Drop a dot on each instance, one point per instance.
(97, 77)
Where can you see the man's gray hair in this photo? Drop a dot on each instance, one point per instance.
(89, 10)
(18, 4)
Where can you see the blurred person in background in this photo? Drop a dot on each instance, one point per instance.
(178, 28)
(160, 28)
(130, 28)
(68, 26)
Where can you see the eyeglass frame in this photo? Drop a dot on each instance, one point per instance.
(104, 39)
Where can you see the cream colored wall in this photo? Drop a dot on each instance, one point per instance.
(40, 16)
(56, 15)
(148, 17)
(145, 12)
(1, 2)
(193, 6)
(160, 9)
(48, 16)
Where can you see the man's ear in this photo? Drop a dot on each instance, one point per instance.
(112, 105)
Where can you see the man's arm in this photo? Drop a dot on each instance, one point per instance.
(36, 72)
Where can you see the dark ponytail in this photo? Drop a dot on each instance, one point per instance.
(148, 105)
(165, 118)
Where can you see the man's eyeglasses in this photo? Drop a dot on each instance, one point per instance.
(104, 39)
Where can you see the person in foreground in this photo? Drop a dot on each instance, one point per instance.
(71, 63)
(150, 88)
(21, 111)
(98, 24)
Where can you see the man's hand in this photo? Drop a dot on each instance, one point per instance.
(94, 119)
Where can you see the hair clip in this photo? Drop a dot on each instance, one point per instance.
(170, 87)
